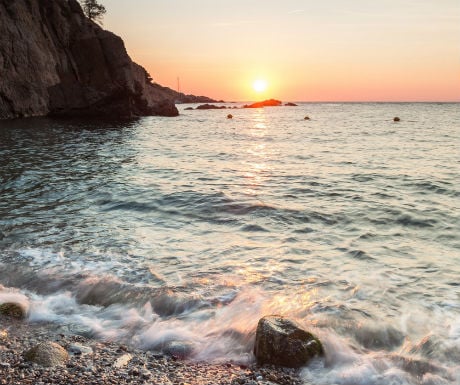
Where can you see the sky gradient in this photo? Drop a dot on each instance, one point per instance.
(331, 50)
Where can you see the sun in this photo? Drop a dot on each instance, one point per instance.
(260, 85)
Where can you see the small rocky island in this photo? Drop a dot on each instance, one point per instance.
(262, 104)
(54, 61)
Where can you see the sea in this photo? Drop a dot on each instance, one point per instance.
(188, 230)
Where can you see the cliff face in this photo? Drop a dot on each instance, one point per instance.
(55, 61)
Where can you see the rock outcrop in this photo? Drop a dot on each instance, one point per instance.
(280, 341)
(55, 61)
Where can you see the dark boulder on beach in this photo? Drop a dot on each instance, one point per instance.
(14, 310)
(47, 354)
(265, 103)
(280, 341)
(55, 61)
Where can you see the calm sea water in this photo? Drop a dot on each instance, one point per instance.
(190, 229)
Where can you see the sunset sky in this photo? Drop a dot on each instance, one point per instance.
(331, 50)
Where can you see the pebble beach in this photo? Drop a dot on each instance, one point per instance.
(101, 362)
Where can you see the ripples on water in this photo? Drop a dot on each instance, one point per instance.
(192, 228)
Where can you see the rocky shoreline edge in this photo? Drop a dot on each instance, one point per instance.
(92, 361)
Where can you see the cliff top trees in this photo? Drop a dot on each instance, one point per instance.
(93, 10)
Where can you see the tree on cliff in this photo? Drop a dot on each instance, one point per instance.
(93, 10)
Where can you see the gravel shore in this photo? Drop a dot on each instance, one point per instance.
(96, 362)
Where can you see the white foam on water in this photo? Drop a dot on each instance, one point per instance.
(225, 331)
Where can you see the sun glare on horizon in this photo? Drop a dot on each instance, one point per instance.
(260, 85)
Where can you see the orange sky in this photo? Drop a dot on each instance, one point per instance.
(391, 50)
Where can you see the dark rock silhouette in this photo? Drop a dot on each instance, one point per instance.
(55, 61)
(280, 341)
(265, 103)
(210, 107)
(290, 104)
(396, 119)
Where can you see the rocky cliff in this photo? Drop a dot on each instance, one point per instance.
(55, 61)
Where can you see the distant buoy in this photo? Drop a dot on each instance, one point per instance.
(396, 119)
(229, 116)
(307, 118)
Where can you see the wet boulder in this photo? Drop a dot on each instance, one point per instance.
(12, 309)
(47, 354)
(282, 342)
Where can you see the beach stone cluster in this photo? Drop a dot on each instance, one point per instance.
(41, 354)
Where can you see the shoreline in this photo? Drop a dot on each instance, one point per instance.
(96, 362)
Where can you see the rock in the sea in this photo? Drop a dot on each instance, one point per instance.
(55, 61)
(12, 309)
(396, 119)
(47, 354)
(290, 104)
(280, 341)
(188, 109)
(265, 103)
(165, 108)
(210, 107)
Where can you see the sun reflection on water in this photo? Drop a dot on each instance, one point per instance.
(256, 164)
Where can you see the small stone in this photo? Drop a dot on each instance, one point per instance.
(79, 349)
(178, 349)
(123, 360)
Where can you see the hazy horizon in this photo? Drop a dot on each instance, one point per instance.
(329, 51)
